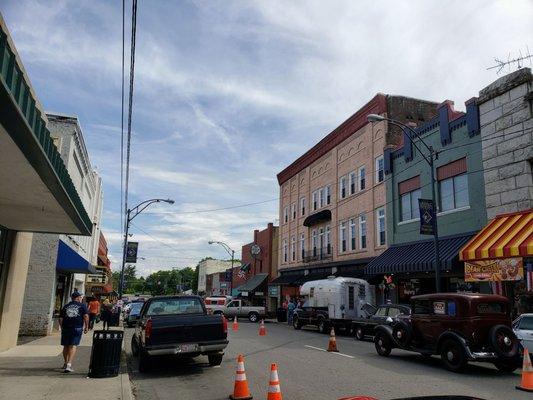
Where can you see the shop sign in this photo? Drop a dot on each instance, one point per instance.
(244, 294)
(506, 269)
(273, 291)
(427, 216)
(223, 285)
(259, 293)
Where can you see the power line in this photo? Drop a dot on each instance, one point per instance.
(214, 209)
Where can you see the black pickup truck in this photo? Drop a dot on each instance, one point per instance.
(178, 326)
(385, 314)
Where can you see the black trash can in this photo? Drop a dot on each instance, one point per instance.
(281, 314)
(105, 353)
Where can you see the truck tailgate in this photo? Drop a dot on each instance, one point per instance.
(172, 329)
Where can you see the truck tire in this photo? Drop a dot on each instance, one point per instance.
(295, 323)
(383, 344)
(215, 359)
(253, 316)
(359, 333)
(453, 355)
(145, 362)
(322, 326)
(503, 341)
(218, 312)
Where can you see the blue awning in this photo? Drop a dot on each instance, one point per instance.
(70, 261)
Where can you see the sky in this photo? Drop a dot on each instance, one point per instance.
(228, 93)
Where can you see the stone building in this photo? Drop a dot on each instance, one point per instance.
(505, 108)
(332, 198)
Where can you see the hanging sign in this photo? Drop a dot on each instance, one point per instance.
(505, 269)
(427, 216)
(131, 252)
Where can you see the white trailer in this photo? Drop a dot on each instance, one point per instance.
(334, 301)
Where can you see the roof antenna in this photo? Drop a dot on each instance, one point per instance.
(500, 65)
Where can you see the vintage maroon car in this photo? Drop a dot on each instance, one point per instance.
(460, 327)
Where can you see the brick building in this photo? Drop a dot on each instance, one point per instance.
(332, 198)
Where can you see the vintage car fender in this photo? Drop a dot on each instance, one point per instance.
(452, 335)
(387, 330)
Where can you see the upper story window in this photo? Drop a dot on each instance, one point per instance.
(409, 191)
(314, 240)
(315, 200)
(362, 231)
(353, 237)
(293, 248)
(380, 226)
(286, 214)
(342, 187)
(328, 194)
(302, 206)
(302, 246)
(380, 169)
(453, 185)
(321, 197)
(293, 210)
(342, 237)
(362, 178)
(285, 249)
(353, 182)
(328, 240)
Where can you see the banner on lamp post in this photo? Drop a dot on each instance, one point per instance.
(427, 216)
(131, 252)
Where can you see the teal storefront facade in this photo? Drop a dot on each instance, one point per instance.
(460, 199)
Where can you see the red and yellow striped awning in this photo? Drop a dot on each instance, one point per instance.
(507, 235)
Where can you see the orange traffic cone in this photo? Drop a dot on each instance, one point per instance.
(332, 346)
(235, 324)
(262, 329)
(240, 390)
(527, 374)
(274, 391)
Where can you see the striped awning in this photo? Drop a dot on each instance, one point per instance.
(507, 235)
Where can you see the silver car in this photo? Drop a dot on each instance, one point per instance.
(523, 329)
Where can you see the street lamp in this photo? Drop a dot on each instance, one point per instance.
(430, 161)
(130, 215)
(231, 252)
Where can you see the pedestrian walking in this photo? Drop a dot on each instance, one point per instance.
(290, 311)
(74, 322)
(94, 310)
(105, 314)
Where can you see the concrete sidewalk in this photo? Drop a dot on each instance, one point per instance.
(33, 371)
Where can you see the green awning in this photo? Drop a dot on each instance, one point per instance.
(251, 284)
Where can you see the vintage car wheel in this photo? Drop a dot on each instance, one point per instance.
(453, 355)
(402, 333)
(322, 326)
(382, 344)
(505, 367)
(504, 341)
(215, 359)
(253, 317)
(134, 347)
(359, 333)
(295, 323)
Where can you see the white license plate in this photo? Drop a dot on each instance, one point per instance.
(188, 348)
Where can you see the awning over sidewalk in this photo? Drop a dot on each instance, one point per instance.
(252, 283)
(310, 277)
(70, 261)
(418, 256)
(286, 279)
(507, 235)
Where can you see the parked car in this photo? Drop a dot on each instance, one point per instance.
(386, 314)
(333, 302)
(458, 327)
(523, 329)
(132, 314)
(242, 308)
(178, 326)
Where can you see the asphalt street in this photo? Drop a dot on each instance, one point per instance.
(307, 372)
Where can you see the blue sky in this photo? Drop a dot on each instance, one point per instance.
(228, 93)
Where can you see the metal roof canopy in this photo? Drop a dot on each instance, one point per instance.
(252, 283)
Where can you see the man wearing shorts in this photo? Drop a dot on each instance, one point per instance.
(74, 321)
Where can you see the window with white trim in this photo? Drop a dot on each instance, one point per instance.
(293, 210)
(409, 204)
(362, 231)
(362, 178)
(380, 169)
(315, 200)
(328, 194)
(353, 182)
(314, 242)
(321, 197)
(328, 240)
(380, 227)
(342, 187)
(454, 192)
(353, 237)
(285, 249)
(302, 246)
(342, 237)
(293, 248)
(286, 214)
(302, 206)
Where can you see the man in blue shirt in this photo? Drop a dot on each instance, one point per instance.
(74, 321)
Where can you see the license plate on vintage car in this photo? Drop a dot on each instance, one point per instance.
(188, 348)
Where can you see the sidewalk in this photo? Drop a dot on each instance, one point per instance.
(33, 371)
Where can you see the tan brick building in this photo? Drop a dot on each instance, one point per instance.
(332, 198)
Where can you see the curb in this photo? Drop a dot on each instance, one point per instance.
(125, 383)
